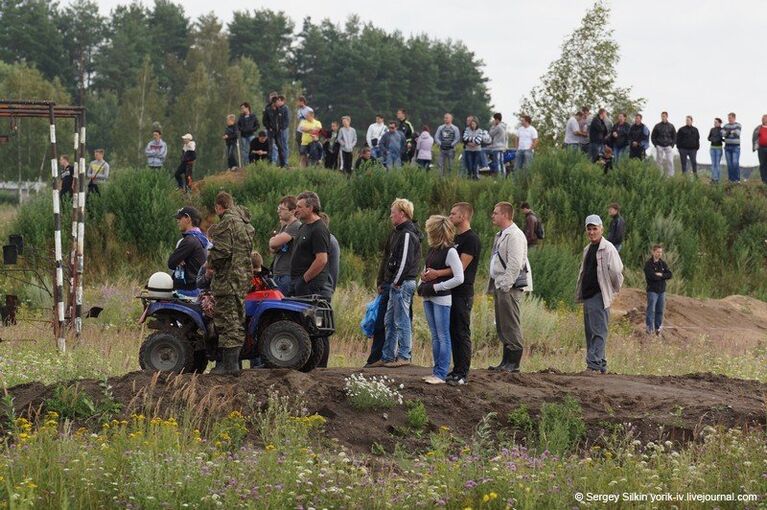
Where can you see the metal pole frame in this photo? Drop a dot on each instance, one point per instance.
(58, 294)
(78, 315)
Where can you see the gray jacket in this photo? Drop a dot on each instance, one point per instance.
(499, 137)
(511, 246)
(347, 138)
(442, 140)
(609, 272)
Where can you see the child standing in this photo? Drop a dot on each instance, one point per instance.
(230, 136)
(347, 138)
(188, 157)
(656, 273)
(423, 148)
(98, 171)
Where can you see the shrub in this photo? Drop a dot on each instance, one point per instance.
(416, 417)
(561, 426)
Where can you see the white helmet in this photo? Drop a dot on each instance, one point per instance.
(160, 286)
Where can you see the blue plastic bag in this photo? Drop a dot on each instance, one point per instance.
(368, 323)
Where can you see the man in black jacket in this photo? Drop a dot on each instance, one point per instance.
(247, 125)
(617, 232)
(664, 138)
(639, 138)
(656, 273)
(597, 134)
(619, 137)
(398, 270)
(190, 253)
(688, 143)
(407, 129)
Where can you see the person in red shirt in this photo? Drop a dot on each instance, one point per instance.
(760, 147)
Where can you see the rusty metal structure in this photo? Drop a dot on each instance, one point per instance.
(50, 111)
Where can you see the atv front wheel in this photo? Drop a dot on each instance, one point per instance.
(165, 352)
(285, 344)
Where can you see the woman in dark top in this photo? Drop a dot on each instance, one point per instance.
(656, 273)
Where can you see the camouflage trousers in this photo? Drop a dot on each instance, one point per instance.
(229, 319)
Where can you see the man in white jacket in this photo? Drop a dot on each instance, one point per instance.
(599, 281)
(375, 131)
(510, 278)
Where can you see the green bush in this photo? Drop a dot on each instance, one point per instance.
(715, 232)
(561, 426)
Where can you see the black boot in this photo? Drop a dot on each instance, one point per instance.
(504, 360)
(514, 358)
(229, 364)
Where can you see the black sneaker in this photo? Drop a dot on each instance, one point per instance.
(449, 376)
(457, 381)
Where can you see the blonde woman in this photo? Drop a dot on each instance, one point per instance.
(436, 293)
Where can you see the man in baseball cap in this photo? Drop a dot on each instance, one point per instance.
(599, 281)
(190, 253)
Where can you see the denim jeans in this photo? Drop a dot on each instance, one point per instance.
(483, 158)
(392, 161)
(283, 283)
(656, 302)
(278, 144)
(438, 319)
(573, 146)
(496, 162)
(244, 142)
(523, 159)
(716, 163)
(446, 158)
(399, 333)
(595, 321)
(595, 149)
(620, 152)
(472, 163)
(732, 156)
(231, 156)
(762, 153)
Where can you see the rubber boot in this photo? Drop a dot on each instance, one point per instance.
(229, 364)
(514, 358)
(504, 360)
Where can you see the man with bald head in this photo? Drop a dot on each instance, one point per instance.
(447, 137)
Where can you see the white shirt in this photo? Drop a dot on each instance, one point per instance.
(526, 135)
(375, 130)
(570, 131)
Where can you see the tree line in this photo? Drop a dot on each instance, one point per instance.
(146, 66)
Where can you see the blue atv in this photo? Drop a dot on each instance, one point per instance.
(282, 332)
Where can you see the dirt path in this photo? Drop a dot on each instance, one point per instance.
(740, 318)
(675, 408)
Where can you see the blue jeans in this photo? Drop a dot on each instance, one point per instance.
(392, 161)
(283, 138)
(595, 321)
(595, 149)
(523, 159)
(732, 156)
(496, 162)
(656, 303)
(483, 158)
(573, 146)
(438, 319)
(472, 163)
(283, 283)
(399, 333)
(716, 163)
(244, 142)
(620, 152)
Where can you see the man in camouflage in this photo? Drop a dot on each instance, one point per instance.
(229, 263)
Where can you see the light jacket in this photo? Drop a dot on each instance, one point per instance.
(423, 146)
(155, 152)
(375, 132)
(511, 246)
(609, 272)
(499, 137)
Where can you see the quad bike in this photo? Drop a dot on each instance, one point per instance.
(283, 332)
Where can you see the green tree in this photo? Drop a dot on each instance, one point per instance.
(28, 33)
(140, 106)
(83, 30)
(265, 37)
(584, 74)
(170, 28)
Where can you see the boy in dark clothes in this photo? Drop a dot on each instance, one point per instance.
(656, 273)
(230, 135)
(259, 148)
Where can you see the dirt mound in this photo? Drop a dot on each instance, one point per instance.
(734, 317)
(674, 408)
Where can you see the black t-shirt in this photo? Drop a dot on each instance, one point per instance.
(312, 238)
(468, 243)
(590, 283)
(257, 145)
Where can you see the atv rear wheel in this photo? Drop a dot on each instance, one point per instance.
(166, 352)
(285, 344)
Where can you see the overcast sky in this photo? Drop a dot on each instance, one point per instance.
(690, 57)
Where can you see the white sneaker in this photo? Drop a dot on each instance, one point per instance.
(433, 380)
